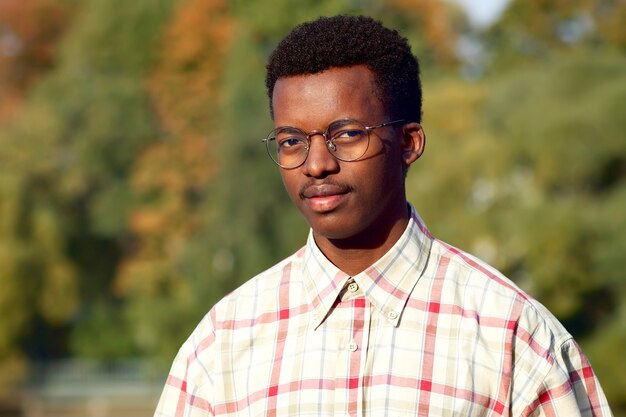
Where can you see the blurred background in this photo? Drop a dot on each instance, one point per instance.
(135, 191)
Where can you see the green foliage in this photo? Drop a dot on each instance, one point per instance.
(64, 171)
(533, 30)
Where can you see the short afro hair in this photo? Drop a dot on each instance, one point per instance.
(343, 41)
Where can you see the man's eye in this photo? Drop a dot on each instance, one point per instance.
(348, 135)
(290, 143)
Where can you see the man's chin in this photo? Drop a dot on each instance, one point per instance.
(336, 230)
(329, 228)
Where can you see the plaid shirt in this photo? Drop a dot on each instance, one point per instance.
(428, 330)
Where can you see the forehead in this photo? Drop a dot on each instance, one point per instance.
(313, 100)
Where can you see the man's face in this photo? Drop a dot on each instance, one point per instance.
(343, 200)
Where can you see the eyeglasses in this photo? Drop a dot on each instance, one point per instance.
(347, 140)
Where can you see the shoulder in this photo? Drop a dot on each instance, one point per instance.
(483, 291)
(469, 271)
(254, 297)
(240, 308)
(260, 292)
(525, 339)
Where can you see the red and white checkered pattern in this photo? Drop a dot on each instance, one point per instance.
(428, 330)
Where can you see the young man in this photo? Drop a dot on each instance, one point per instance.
(373, 316)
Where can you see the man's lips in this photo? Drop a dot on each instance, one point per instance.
(323, 190)
(325, 197)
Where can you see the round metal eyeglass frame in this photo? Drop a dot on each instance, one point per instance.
(329, 140)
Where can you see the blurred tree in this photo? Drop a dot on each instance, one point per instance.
(64, 166)
(29, 34)
(171, 178)
(533, 30)
(433, 28)
(38, 281)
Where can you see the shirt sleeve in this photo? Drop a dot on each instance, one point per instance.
(570, 388)
(186, 386)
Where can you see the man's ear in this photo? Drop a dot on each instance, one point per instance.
(413, 142)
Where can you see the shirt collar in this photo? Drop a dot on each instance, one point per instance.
(387, 284)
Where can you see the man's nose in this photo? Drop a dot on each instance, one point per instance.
(320, 162)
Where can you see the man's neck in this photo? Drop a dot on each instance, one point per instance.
(358, 253)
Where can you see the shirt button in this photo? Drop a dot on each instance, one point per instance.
(392, 315)
(353, 287)
(352, 346)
